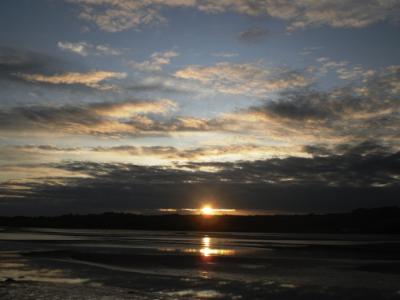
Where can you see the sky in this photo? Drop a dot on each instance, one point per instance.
(154, 106)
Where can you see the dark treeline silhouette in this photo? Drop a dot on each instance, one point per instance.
(376, 220)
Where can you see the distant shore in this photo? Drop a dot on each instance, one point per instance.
(384, 220)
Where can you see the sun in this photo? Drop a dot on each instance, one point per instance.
(207, 210)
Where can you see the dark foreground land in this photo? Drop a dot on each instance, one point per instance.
(378, 220)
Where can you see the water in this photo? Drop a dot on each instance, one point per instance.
(124, 264)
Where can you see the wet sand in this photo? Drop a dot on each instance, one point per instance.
(95, 264)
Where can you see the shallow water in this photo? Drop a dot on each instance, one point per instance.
(193, 265)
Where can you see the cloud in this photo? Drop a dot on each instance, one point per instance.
(108, 119)
(162, 84)
(225, 54)
(244, 79)
(33, 77)
(358, 111)
(310, 50)
(317, 163)
(302, 14)
(129, 117)
(295, 116)
(355, 73)
(35, 173)
(28, 77)
(327, 64)
(353, 112)
(143, 155)
(23, 66)
(118, 15)
(340, 178)
(155, 63)
(337, 14)
(91, 79)
(85, 49)
(15, 60)
(253, 35)
(127, 109)
(344, 70)
(16, 90)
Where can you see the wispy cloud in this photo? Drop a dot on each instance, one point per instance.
(310, 50)
(144, 155)
(155, 63)
(225, 54)
(253, 35)
(248, 79)
(85, 49)
(90, 79)
(343, 69)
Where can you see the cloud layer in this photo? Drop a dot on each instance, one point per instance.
(118, 15)
(248, 79)
(298, 114)
(129, 117)
(341, 178)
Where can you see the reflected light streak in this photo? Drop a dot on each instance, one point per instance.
(207, 250)
(206, 241)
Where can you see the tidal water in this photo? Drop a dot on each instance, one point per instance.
(124, 264)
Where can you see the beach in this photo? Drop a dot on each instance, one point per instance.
(45, 263)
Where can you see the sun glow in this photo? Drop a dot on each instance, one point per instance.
(207, 210)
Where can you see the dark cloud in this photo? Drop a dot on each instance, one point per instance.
(253, 34)
(14, 61)
(46, 118)
(304, 104)
(24, 73)
(17, 63)
(369, 148)
(359, 175)
(103, 118)
(299, 105)
(357, 111)
(113, 119)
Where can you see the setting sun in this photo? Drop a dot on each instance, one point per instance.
(207, 210)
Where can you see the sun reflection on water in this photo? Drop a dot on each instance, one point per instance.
(207, 251)
(205, 241)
